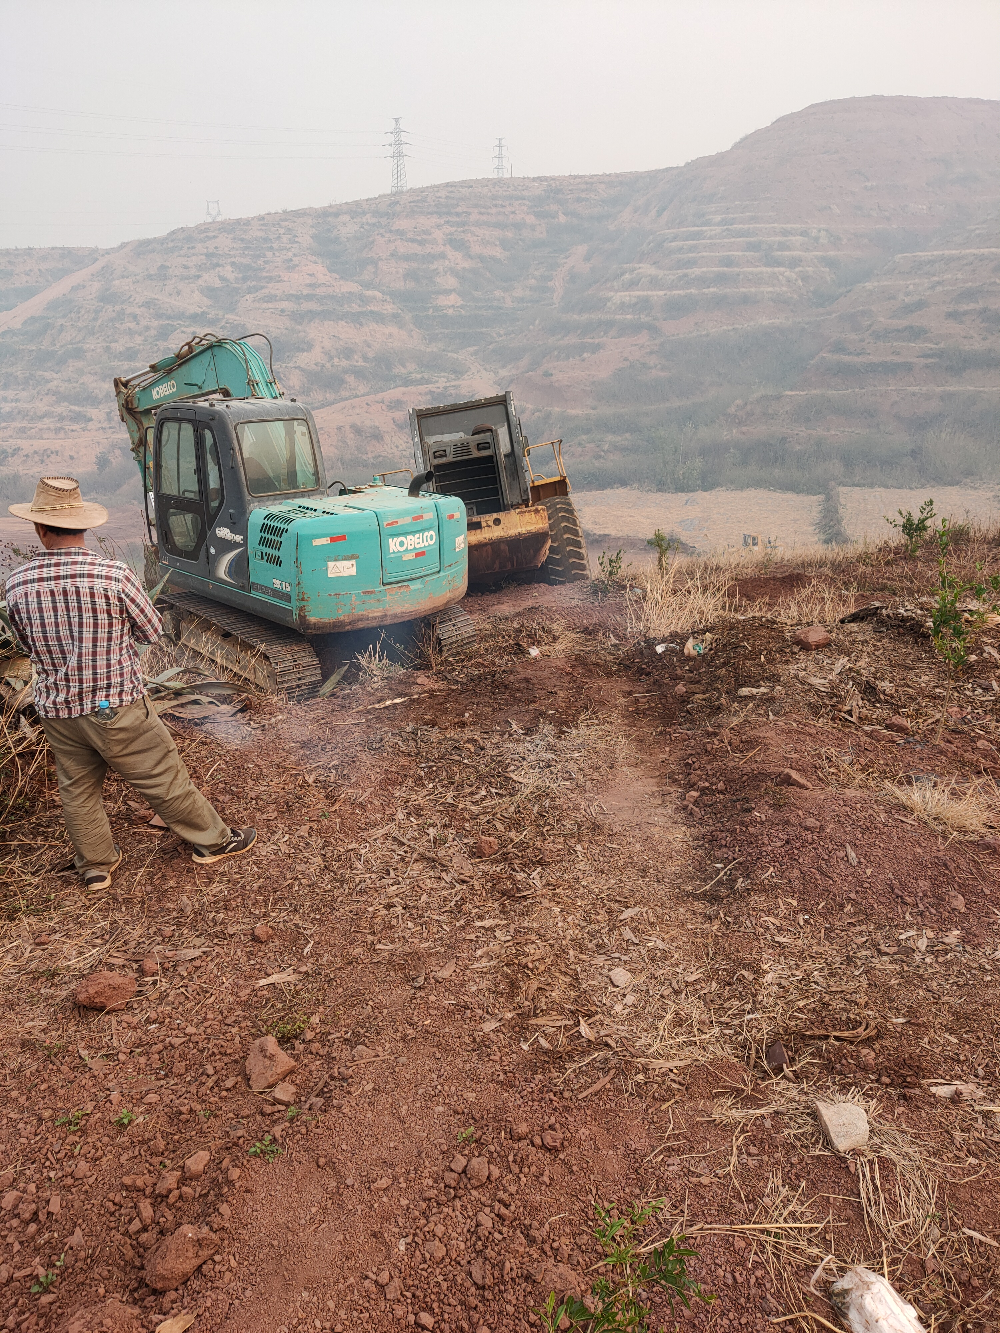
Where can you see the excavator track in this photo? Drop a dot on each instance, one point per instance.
(454, 629)
(272, 657)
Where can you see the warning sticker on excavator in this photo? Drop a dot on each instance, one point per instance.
(337, 569)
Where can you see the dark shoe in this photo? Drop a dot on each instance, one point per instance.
(241, 840)
(101, 879)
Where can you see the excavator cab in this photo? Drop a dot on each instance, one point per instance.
(215, 462)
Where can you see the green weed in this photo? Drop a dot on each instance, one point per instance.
(292, 1112)
(124, 1118)
(290, 1028)
(628, 1271)
(47, 1279)
(266, 1148)
(466, 1135)
(72, 1120)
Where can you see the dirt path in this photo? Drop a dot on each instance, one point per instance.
(527, 929)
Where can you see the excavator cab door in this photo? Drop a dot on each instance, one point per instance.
(188, 491)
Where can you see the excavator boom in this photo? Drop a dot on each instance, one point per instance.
(204, 365)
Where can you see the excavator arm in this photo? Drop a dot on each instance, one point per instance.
(205, 364)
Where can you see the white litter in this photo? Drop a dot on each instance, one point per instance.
(868, 1304)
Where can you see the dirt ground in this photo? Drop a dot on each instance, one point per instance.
(529, 924)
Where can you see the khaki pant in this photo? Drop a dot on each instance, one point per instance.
(137, 745)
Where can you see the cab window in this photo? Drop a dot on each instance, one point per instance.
(278, 456)
(213, 474)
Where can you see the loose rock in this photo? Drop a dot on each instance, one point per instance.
(105, 990)
(268, 1064)
(812, 638)
(487, 847)
(477, 1172)
(458, 1163)
(844, 1124)
(619, 977)
(559, 1278)
(175, 1258)
(168, 1182)
(777, 1057)
(262, 933)
(520, 1131)
(898, 724)
(477, 1273)
(424, 1320)
(194, 1167)
(149, 966)
(789, 777)
(283, 1093)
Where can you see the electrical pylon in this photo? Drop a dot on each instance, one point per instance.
(398, 156)
(213, 212)
(499, 162)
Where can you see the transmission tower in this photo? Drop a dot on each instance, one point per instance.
(500, 162)
(398, 156)
(213, 212)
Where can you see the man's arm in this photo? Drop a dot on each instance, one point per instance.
(142, 614)
(20, 636)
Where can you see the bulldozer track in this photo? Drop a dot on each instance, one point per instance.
(567, 559)
(272, 656)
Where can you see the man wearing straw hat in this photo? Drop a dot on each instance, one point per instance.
(80, 617)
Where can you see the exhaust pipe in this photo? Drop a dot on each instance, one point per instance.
(418, 482)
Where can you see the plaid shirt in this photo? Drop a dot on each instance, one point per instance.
(80, 617)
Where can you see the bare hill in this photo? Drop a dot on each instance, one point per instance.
(821, 301)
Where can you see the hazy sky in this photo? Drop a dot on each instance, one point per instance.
(123, 119)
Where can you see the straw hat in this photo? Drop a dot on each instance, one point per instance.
(59, 504)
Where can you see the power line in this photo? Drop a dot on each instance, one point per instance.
(158, 120)
(398, 156)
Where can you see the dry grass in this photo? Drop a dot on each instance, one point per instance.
(819, 603)
(948, 808)
(374, 664)
(686, 596)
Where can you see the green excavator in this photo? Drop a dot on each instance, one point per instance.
(269, 574)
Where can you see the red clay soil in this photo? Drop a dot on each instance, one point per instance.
(527, 927)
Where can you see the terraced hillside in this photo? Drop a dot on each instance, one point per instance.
(819, 302)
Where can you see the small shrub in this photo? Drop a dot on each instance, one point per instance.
(663, 546)
(614, 573)
(124, 1118)
(914, 530)
(616, 1304)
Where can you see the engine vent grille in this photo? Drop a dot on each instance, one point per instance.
(273, 530)
(461, 451)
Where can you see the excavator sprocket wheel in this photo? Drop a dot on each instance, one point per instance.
(567, 559)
